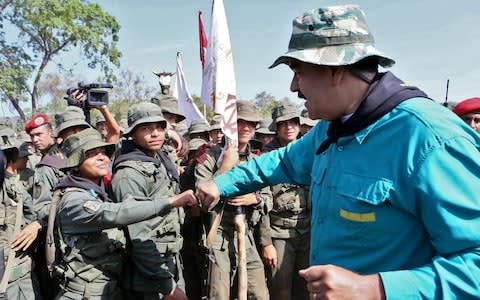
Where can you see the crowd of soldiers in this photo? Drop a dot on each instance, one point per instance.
(104, 212)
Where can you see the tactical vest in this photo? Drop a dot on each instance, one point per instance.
(88, 264)
(11, 197)
(291, 207)
(165, 231)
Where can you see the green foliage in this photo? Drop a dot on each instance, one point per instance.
(46, 28)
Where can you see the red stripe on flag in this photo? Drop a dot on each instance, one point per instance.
(202, 38)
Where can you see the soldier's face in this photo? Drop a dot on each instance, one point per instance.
(216, 136)
(95, 165)
(149, 136)
(41, 137)
(288, 130)
(245, 130)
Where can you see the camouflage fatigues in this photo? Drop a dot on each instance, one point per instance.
(22, 283)
(91, 247)
(287, 228)
(224, 247)
(153, 246)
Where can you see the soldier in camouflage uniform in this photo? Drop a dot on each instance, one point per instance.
(91, 248)
(144, 170)
(198, 129)
(224, 248)
(22, 283)
(285, 233)
(215, 132)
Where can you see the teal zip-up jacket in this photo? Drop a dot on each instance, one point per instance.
(399, 198)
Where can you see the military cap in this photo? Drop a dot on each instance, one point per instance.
(264, 127)
(99, 118)
(76, 145)
(23, 150)
(10, 150)
(471, 105)
(198, 126)
(332, 36)
(70, 116)
(142, 113)
(169, 104)
(247, 111)
(305, 119)
(37, 121)
(283, 112)
(216, 122)
(194, 144)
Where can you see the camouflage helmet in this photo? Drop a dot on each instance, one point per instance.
(283, 112)
(216, 122)
(75, 146)
(332, 36)
(23, 150)
(169, 104)
(247, 111)
(198, 126)
(142, 113)
(70, 116)
(264, 127)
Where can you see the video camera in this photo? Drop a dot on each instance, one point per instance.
(88, 95)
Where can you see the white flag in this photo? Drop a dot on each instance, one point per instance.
(185, 102)
(218, 78)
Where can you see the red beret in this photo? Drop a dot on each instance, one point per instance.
(37, 120)
(467, 106)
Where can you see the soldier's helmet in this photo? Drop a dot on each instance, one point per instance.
(332, 36)
(283, 112)
(142, 113)
(75, 146)
(70, 116)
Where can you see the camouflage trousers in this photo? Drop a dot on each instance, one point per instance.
(223, 285)
(293, 255)
(24, 288)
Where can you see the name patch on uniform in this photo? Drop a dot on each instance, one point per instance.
(358, 217)
(92, 206)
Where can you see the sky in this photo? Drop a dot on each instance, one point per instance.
(430, 40)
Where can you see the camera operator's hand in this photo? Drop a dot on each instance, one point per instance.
(76, 97)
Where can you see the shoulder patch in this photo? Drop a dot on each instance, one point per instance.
(92, 206)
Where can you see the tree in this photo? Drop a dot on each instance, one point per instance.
(131, 87)
(265, 103)
(48, 28)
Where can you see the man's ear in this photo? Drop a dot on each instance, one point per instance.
(338, 74)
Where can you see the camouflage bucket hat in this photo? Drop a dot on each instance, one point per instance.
(76, 145)
(283, 112)
(99, 118)
(264, 127)
(142, 113)
(216, 122)
(332, 36)
(198, 126)
(194, 144)
(71, 116)
(10, 150)
(247, 111)
(305, 119)
(23, 150)
(169, 104)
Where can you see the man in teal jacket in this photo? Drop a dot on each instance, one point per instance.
(394, 176)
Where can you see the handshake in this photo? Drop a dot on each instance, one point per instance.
(207, 192)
